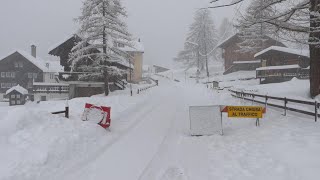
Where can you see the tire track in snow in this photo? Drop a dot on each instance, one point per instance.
(149, 106)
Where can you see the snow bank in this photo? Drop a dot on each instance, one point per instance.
(296, 89)
(34, 143)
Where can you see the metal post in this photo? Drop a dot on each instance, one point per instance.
(67, 110)
(252, 99)
(266, 103)
(316, 111)
(221, 124)
(285, 106)
(258, 122)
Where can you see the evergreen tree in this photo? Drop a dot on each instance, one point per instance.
(200, 42)
(102, 29)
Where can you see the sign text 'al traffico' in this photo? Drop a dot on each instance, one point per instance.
(245, 111)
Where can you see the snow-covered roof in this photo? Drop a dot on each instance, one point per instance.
(56, 45)
(19, 89)
(295, 66)
(40, 63)
(54, 66)
(247, 62)
(137, 46)
(123, 61)
(226, 40)
(304, 53)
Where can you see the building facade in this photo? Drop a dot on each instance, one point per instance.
(281, 64)
(236, 60)
(24, 69)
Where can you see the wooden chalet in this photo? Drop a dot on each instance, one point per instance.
(235, 60)
(281, 64)
(86, 88)
(17, 95)
(26, 69)
(63, 51)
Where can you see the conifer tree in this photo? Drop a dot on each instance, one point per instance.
(102, 28)
(200, 42)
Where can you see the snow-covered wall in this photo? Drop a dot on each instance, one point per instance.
(51, 96)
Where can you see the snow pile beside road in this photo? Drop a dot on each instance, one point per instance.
(297, 89)
(240, 75)
(34, 143)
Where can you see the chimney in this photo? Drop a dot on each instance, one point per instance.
(34, 51)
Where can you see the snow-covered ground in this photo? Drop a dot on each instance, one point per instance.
(297, 89)
(149, 140)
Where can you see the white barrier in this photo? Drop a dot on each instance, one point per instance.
(205, 120)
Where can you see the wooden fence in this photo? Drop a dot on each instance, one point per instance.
(284, 101)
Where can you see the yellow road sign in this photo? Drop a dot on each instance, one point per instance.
(245, 111)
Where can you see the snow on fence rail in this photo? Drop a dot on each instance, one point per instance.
(146, 88)
(284, 105)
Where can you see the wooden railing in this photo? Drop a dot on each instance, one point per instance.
(283, 103)
(118, 82)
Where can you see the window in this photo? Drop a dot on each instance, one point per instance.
(35, 75)
(8, 85)
(3, 85)
(51, 76)
(14, 84)
(16, 64)
(18, 96)
(13, 102)
(3, 74)
(13, 74)
(13, 96)
(30, 75)
(8, 74)
(18, 102)
(21, 64)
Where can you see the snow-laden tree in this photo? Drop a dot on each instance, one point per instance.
(295, 16)
(226, 29)
(102, 29)
(254, 35)
(200, 42)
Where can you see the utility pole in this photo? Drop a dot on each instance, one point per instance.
(104, 39)
(198, 63)
(130, 72)
(205, 48)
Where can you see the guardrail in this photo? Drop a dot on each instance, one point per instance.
(252, 96)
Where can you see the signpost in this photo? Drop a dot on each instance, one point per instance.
(206, 120)
(97, 114)
(245, 112)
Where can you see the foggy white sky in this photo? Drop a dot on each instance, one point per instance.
(161, 24)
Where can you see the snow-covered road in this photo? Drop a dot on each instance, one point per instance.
(152, 144)
(149, 140)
